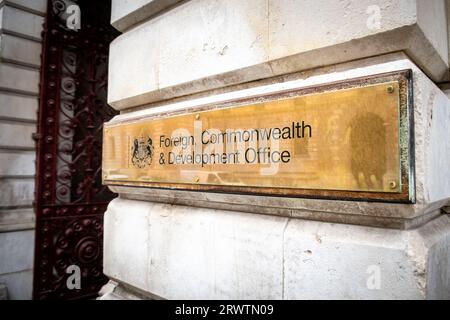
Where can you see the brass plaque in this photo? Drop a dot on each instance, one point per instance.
(347, 140)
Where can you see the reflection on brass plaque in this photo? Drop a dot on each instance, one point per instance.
(345, 141)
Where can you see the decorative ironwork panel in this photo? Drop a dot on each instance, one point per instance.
(70, 198)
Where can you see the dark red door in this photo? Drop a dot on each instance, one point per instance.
(70, 199)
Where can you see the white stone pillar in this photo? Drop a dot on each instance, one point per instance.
(176, 244)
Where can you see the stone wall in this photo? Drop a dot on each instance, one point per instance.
(179, 55)
(21, 23)
(193, 47)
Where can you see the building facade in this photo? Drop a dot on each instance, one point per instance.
(191, 241)
(21, 25)
(356, 206)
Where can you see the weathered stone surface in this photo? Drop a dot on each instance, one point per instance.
(17, 219)
(16, 251)
(127, 13)
(18, 78)
(39, 6)
(411, 264)
(17, 163)
(16, 134)
(166, 246)
(18, 50)
(19, 284)
(116, 291)
(16, 192)
(21, 22)
(431, 193)
(18, 107)
(193, 47)
(178, 252)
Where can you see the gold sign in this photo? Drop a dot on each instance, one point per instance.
(341, 141)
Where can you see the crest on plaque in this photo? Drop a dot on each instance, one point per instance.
(142, 152)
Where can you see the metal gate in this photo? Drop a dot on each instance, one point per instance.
(70, 200)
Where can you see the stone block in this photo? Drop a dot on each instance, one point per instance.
(16, 251)
(19, 284)
(431, 193)
(17, 163)
(128, 13)
(326, 261)
(193, 47)
(431, 18)
(15, 78)
(40, 6)
(17, 220)
(18, 107)
(16, 192)
(21, 22)
(178, 252)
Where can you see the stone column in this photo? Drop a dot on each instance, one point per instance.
(176, 244)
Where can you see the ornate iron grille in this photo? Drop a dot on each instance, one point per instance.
(70, 200)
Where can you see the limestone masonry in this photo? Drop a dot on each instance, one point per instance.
(178, 58)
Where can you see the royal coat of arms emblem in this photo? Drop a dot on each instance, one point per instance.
(142, 152)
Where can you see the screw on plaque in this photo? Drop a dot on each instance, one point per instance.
(392, 184)
(390, 89)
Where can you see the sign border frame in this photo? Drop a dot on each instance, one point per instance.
(406, 145)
